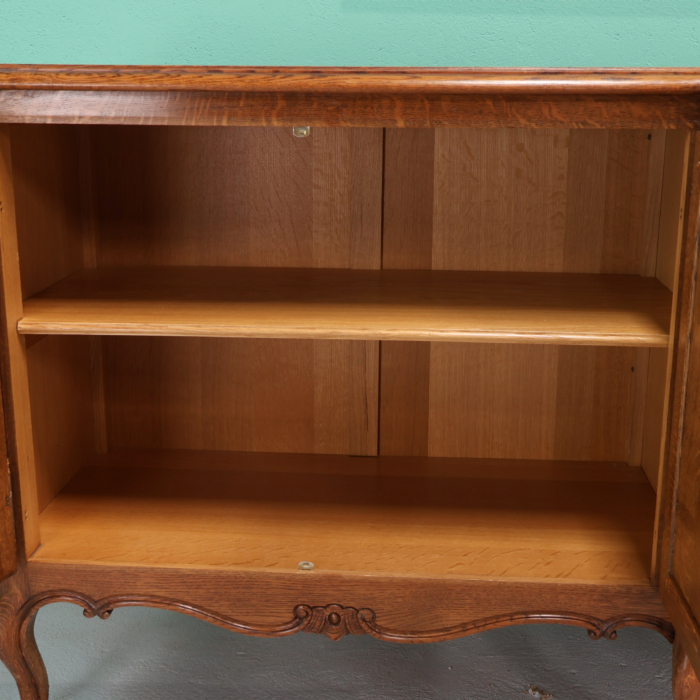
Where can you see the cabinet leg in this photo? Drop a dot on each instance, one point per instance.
(18, 649)
(686, 685)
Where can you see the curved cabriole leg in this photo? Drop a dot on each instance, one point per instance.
(686, 685)
(18, 649)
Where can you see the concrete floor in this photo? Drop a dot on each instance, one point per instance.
(152, 655)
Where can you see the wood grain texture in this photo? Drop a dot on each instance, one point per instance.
(60, 390)
(672, 206)
(685, 564)
(47, 199)
(409, 191)
(526, 529)
(368, 305)
(351, 79)
(553, 201)
(260, 197)
(245, 394)
(8, 544)
(509, 401)
(679, 556)
(404, 399)
(686, 685)
(671, 232)
(238, 197)
(21, 658)
(350, 110)
(533, 402)
(524, 200)
(335, 621)
(418, 604)
(655, 415)
(17, 385)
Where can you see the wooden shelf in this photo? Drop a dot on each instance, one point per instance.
(579, 309)
(494, 519)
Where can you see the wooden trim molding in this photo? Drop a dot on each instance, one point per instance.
(336, 621)
(620, 98)
(619, 81)
(418, 110)
(19, 652)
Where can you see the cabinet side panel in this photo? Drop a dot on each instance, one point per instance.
(16, 356)
(668, 259)
(47, 194)
(8, 544)
(50, 232)
(62, 410)
(680, 557)
(685, 555)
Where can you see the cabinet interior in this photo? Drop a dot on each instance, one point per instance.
(426, 352)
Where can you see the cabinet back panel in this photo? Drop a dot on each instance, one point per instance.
(538, 200)
(238, 196)
(241, 394)
(244, 197)
(508, 401)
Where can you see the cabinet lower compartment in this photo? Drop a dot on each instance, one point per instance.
(425, 517)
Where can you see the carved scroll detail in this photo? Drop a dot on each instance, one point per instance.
(335, 621)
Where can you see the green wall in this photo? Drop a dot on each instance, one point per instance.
(353, 32)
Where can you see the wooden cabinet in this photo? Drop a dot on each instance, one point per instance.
(426, 368)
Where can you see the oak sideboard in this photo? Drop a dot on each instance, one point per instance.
(408, 353)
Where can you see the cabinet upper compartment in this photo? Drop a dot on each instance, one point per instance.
(501, 235)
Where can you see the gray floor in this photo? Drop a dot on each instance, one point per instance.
(151, 654)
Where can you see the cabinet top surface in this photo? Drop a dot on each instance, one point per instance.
(614, 81)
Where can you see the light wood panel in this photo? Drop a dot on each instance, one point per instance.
(671, 230)
(246, 197)
(360, 304)
(18, 385)
(526, 199)
(508, 401)
(245, 394)
(438, 526)
(409, 176)
(47, 192)
(8, 536)
(672, 205)
(655, 415)
(62, 411)
(49, 246)
(529, 200)
(240, 196)
(535, 402)
(582, 201)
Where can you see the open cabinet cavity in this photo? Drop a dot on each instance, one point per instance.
(415, 352)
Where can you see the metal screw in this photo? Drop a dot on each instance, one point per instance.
(306, 566)
(301, 132)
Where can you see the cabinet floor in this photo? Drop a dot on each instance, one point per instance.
(496, 519)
